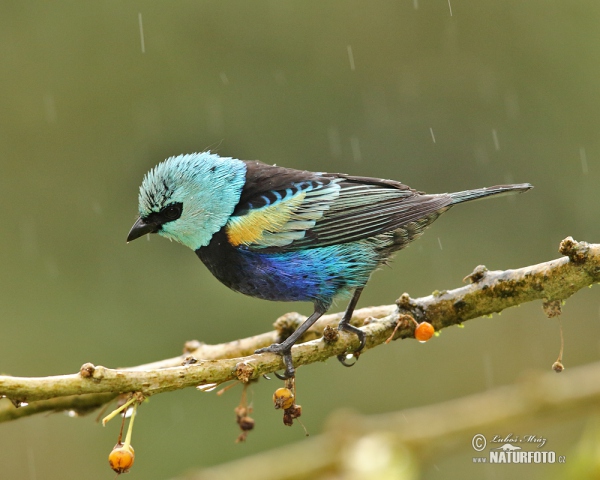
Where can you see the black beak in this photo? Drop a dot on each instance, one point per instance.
(141, 228)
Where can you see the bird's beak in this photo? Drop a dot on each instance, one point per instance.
(141, 228)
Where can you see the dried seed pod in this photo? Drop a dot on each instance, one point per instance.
(558, 367)
(246, 423)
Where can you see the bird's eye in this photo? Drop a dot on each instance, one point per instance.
(172, 212)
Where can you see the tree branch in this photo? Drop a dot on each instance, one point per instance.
(489, 292)
(427, 431)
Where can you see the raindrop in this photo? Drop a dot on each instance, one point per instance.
(450, 7)
(583, 157)
(416, 4)
(495, 137)
(177, 413)
(508, 178)
(408, 84)
(440, 243)
(50, 108)
(351, 58)
(29, 244)
(141, 32)
(511, 103)
(96, 208)
(72, 413)
(224, 78)
(23, 404)
(214, 110)
(488, 371)
(335, 142)
(432, 135)
(208, 387)
(280, 77)
(31, 463)
(51, 268)
(355, 145)
(481, 155)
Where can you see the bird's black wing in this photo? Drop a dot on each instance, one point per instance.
(284, 209)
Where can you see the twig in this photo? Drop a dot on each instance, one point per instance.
(201, 364)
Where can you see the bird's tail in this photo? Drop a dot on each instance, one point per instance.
(467, 195)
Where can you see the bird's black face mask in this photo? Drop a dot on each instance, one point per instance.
(154, 222)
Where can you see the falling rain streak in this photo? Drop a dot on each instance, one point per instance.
(351, 58)
(584, 162)
(488, 371)
(335, 142)
(355, 145)
(416, 4)
(432, 135)
(141, 32)
(450, 7)
(31, 464)
(495, 137)
(50, 108)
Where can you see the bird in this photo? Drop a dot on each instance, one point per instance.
(283, 234)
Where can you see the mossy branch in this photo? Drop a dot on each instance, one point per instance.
(489, 292)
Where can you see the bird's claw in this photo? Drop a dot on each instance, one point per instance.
(344, 357)
(362, 339)
(286, 354)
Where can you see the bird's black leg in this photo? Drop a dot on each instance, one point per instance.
(345, 325)
(285, 348)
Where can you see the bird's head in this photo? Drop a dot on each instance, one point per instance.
(189, 198)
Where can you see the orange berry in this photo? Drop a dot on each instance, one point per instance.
(121, 458)
(424, 331)
(283, 398)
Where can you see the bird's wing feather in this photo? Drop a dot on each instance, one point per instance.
(282, 216)
(303, 209)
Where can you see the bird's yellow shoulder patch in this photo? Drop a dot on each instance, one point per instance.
(250, 228)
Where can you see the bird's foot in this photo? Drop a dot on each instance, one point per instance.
(343, 358)
(286, 353)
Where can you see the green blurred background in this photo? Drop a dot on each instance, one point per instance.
(510, 91)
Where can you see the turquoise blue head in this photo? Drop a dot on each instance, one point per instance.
(189, 198)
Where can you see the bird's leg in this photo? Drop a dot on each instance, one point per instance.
(345, 325)
(285, 348)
